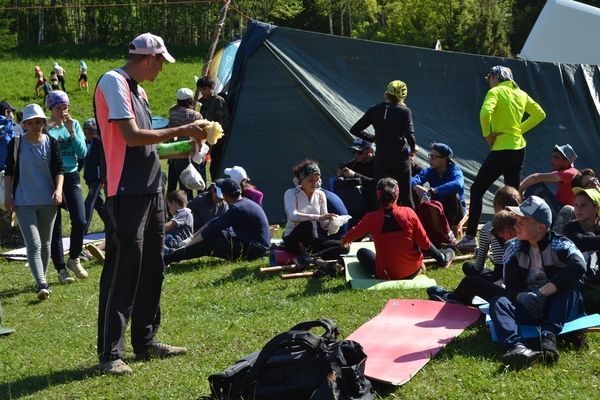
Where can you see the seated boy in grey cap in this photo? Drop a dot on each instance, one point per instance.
(543, 275)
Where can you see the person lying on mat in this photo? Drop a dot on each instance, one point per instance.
(486, 284)
(399, 238)
(543, 275)
(304, 207)
(585, 233)
(241, 233)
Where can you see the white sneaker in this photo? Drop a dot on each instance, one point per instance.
(64, 277)
(43, 293)
(115, 367)
(75, 266)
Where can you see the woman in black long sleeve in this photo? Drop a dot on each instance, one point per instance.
(394, 137)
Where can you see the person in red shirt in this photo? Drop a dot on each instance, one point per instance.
(400, 239)
(562, 160)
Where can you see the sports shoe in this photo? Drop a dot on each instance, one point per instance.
(95, 252)
(64, 277)
(520, 357)
(161, 350)
(549, 350)
(85, 255)
(467, 244)
(448, 256)
(75, 266)
(43, 293)
(439, 293)
(115, 367)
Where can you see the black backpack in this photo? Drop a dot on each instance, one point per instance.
(298, 365)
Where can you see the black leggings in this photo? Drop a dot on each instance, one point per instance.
(301, 240)
(402, 174)
(501, 162)
(477, 285)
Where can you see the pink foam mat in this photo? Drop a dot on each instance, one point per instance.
(407, 334)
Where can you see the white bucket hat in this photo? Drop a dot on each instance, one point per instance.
(33, 111)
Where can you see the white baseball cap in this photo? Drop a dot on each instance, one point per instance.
(237, 174)
(148, 44)
(184, 94)
(33, 111)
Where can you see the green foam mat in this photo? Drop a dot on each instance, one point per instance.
(359, 278)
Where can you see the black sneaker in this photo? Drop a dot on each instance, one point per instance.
(549, 350)
(520, 357)
(439, 293)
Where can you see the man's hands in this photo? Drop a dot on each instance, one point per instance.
(346, 172)
(532, 301)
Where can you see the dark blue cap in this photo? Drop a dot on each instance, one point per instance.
(443, 149)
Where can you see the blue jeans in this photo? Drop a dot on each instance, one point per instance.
(561, 307)
(73, 200)
(36, 224)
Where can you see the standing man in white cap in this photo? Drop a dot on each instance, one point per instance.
(562, 160)
(543, 275)
(131, 281)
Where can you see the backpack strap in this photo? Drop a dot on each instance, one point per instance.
(302, 340)
(331, 329)
(16, 148)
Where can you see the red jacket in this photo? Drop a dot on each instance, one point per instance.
(397, 252)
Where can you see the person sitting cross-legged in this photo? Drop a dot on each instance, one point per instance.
(249, 239)
(446, 183)
(543, 275)
(399, 238)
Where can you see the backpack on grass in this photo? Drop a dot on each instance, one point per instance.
(298, 365)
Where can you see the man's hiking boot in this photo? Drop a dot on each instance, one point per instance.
(520, 357)
(549, 350)
(161, 350)
(64, 277)
(75, 266)
(115, 367)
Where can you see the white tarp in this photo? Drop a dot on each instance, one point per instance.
(565, 32)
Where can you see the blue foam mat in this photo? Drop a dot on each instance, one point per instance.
(532, 331)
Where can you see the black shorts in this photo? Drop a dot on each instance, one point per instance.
(83, 77)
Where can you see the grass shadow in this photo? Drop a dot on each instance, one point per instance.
(240, 273)
(13, 292)
(194, 264)
(315, 286)
(32, 384)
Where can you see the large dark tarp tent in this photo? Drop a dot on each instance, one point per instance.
(295, 95)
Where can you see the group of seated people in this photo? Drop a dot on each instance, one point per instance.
(538, 276)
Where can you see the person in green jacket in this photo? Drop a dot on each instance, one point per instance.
(503, 128)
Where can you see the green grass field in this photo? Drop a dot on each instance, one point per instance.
(223, 310)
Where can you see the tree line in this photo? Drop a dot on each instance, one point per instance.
(490, 27)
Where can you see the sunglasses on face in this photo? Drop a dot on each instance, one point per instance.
(434, 156)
